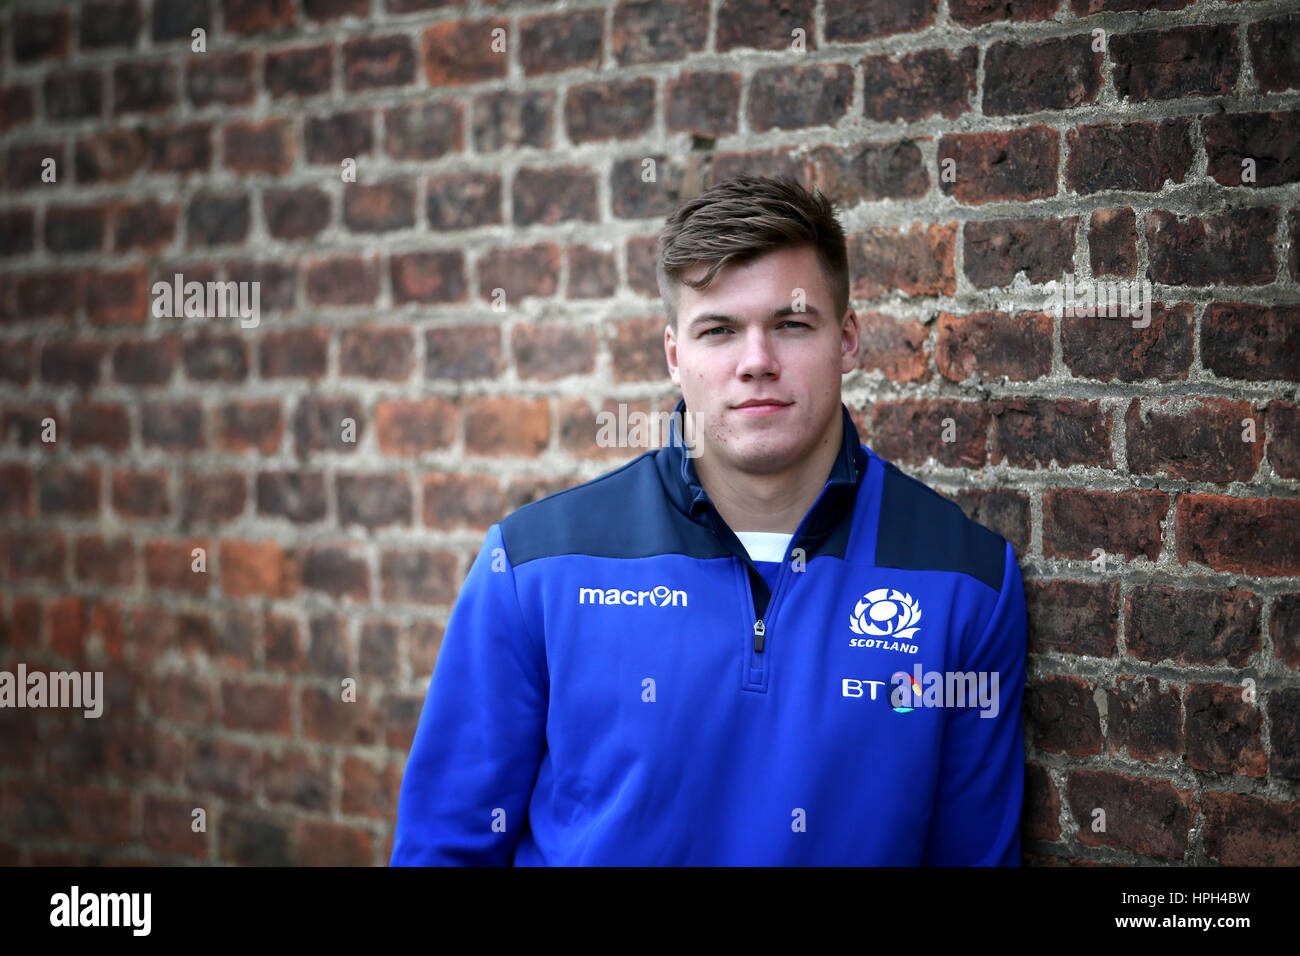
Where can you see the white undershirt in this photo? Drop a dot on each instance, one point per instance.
(765, 545)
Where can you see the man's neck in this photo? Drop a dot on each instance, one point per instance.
(774, 502)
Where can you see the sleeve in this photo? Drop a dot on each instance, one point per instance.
(976, 815)
(482, 730)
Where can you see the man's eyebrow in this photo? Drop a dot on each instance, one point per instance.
(785, 310)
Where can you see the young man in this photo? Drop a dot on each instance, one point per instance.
(776, 649)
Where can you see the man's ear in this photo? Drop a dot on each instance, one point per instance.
(670, 353)
(849, 342)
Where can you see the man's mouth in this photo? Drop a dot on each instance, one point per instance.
(762, 406)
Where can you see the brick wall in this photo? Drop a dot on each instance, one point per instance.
(486, 285)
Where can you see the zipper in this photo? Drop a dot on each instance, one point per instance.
(760, 626)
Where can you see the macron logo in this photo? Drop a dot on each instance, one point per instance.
(660, 597)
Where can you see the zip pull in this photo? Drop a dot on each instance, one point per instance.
(759, 631)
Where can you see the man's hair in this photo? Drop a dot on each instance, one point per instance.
(743, 218)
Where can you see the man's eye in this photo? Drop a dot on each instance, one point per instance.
(716, 328)
(803, 325)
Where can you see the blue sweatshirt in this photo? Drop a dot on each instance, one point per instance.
(619, 685)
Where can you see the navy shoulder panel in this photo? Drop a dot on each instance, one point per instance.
(921, 530)
(623, 513)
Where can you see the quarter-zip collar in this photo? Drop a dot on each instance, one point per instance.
(839, 494)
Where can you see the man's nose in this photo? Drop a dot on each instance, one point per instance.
(759, 357)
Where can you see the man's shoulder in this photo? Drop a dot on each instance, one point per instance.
(920, 529)
(599, 517)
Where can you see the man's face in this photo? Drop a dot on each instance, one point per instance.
(763, 378)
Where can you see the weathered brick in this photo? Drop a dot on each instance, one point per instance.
(338, 136)
(620, 109)
(145, 363)
(342, 280)
(375, 62)
(990, 167)
(1107, 348)
(920, 84)
(72, 94)
(788, 97)
(652, 31)
(1202, 443)
(103, 424)
(1284, 438)
(998, 249)
(294, 353)
(553, 195)
(458, 52)
(593, 273)
(436, 276)
(1151, 817)
(1033, 433)
(176, 426)
(144, 87)
(298, 778)
(895, 348)
(702, 103)
(412, 427)
(867, 172)
(419, 577)
(75, 228)
(265, 147)
(1223, 731)
(854, 20)
(918, 261)
(461, 501)
(139, 494)
(636, 350)
(510, 119)
(1273, 46)
(462, 352)
(507, 426)
(1191, 626)
(1267, 140)
(382, 207)
(212, 220)
(373, 501)
(318, 424)
(219, 78)
(564, 41)
(149, 226)
(336, 571)
(37, 35)
(1243, 830)
(912, 431)
(973, 13)
(990, 344)
(377, 353)
(1055, 74)
(1076, 522)
(1242, 535)
(295, 213)
(466, 200)
(298, 496)
(1253, 342)
(247, 17)
(1072, 617)
(1061, 715)
(301, 71)
(1144, 721)
(247, 425)
(1112, 243)
(549, 352)
(1284, 732)
(1042, 805)
(212, 497)
(519, 272)
(246, 837)
(1183, 61)
(179, 149)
